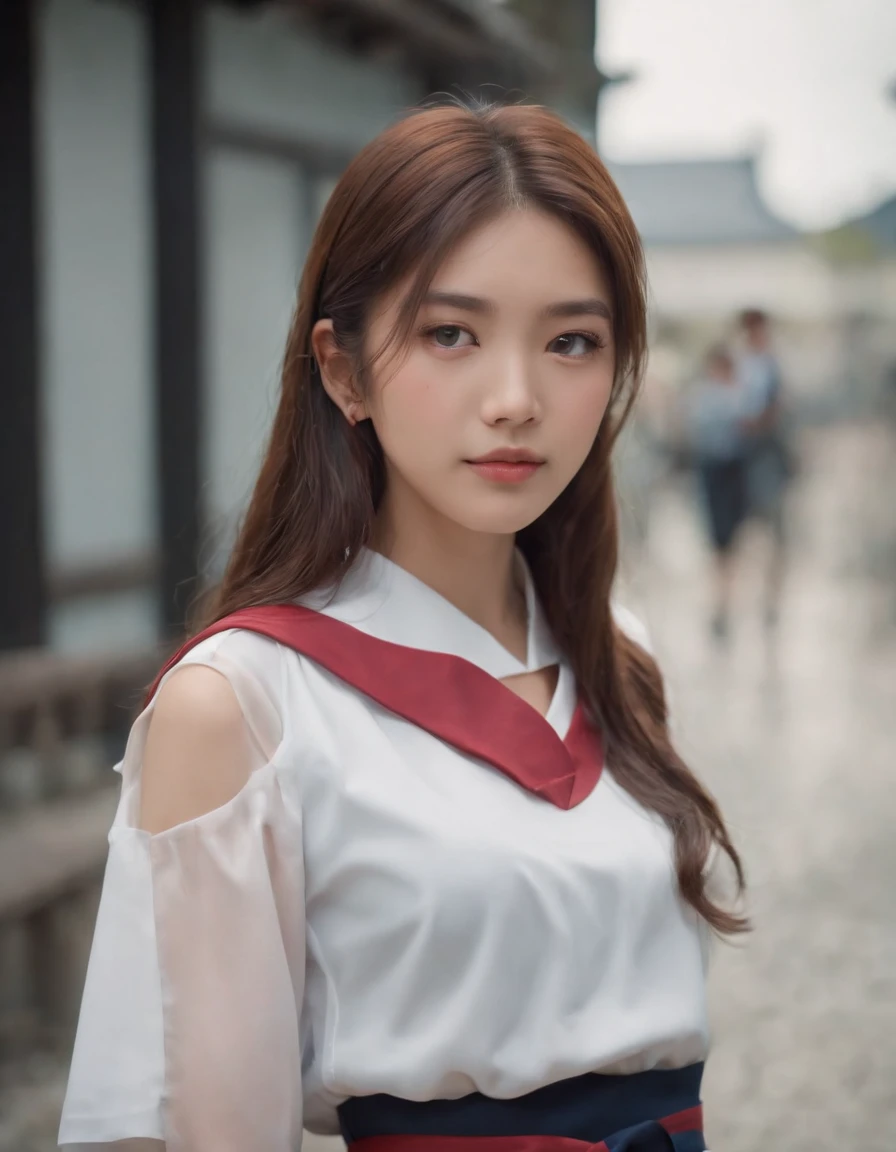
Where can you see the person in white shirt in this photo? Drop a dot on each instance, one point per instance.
(404, 849)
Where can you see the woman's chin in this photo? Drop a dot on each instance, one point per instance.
(498, 521)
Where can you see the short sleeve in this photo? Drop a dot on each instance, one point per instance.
(188, 1033)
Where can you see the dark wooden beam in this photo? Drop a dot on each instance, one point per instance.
(175, 52)
(22, 595)
(453, 42)
(569, 29)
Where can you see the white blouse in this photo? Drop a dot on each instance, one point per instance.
(383, 907)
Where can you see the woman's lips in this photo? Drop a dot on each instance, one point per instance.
(505, 471)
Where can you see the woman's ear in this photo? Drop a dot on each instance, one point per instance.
(337, 372)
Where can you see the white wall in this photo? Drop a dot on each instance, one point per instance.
(261, 71)
(95, 287)
(789, 280)
(825, 351)
(868, 301)
(254, 240)
(264, 72)
(267, 71)
(705, 287)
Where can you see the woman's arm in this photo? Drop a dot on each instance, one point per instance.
(189, 1029)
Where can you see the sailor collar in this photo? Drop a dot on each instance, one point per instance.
(390, 637)
(385, 601)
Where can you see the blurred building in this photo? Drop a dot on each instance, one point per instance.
(165, 164)
(862, 253)
(714, 247)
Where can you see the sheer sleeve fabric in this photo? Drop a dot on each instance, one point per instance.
(188, 1036)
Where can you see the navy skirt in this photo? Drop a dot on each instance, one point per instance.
(657, 1111)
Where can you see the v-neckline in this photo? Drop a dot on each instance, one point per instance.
(384, 600)
(450, 697)
(549, 714)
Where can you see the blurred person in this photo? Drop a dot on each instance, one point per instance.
(404, 849)
(770, 463)
(644, 458)
(719, 443)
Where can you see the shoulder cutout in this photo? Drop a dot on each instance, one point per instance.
(197, 752)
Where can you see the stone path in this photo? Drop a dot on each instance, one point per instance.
(796, 738)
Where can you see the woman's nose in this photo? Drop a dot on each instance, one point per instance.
(512, 394)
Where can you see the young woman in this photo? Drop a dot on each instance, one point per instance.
(404, 850)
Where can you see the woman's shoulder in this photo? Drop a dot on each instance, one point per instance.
(251, 663)
(226, 691)
(242, 648)
(197, 752)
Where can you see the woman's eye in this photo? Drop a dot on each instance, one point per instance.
(574, 344)
(451, 336)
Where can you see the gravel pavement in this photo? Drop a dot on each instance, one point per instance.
(795, 735)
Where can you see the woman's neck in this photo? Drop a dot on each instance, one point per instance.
(474, 571)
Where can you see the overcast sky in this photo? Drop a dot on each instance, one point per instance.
(805, 79)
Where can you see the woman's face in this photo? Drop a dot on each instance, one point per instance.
(492, 408)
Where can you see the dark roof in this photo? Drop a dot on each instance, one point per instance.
(453, 42)
(698, 202)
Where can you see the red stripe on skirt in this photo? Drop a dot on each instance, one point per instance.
(691, 1120)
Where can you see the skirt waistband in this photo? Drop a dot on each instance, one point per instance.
(647, 1111)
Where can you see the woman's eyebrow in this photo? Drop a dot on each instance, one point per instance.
(460, 300)
(587, 306)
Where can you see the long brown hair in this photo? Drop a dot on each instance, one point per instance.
(399, 208)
